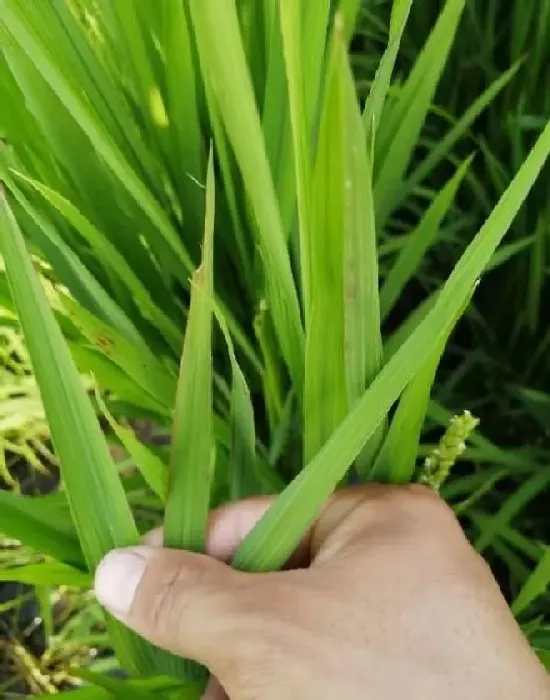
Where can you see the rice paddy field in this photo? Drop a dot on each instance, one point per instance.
(263, 246)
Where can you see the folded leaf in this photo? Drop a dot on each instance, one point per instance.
(193, 446)
(244, 466)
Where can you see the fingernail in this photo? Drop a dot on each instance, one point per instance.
(117, 579)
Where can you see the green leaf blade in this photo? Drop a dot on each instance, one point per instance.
(401, 128)
(325, 390)
(419, 242)
(47, 574)
(193, 447)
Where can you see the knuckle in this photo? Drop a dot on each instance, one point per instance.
(172, 589)
(397, 504)
(413, 514)
(416, 496)
(424, 504)
(173, 595)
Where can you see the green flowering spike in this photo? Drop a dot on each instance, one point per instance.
(439, 463)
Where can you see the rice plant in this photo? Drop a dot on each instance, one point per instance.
(501, 50)
(488, 100)
(213, 201)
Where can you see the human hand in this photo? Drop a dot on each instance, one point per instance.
(385, 600)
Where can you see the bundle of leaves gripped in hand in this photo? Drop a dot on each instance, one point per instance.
(210, 196)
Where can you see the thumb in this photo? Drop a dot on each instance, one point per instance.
(186, 603)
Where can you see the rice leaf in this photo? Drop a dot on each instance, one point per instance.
(325, 391)
(400, 128)
(363, 346)
(62, 29)
(291, 32)
(136, 360)
(394, 342)
(224, 66)
(72, 271)
(313, 23)
(446, 144)
(282, 431)
(193, 446)
(276, 123)
(114, 379)
(273, 539)
(18, 27)
(381, 83)
(40, 524)
(111, 258)
(75, 430)
(272, 373)
(129, 24)
(316, 15)
(243, 462)
(419, 242)
(182, 104)
(47, 574)
(396, 461)
(516, 502)
(363, 349)
(242, 459)
(101, 514)
(117, 688)
(230, 182)
(349, 11)
(509, 251)
(150, 466)
(106, 687)
(58, 142)
(535, 586)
